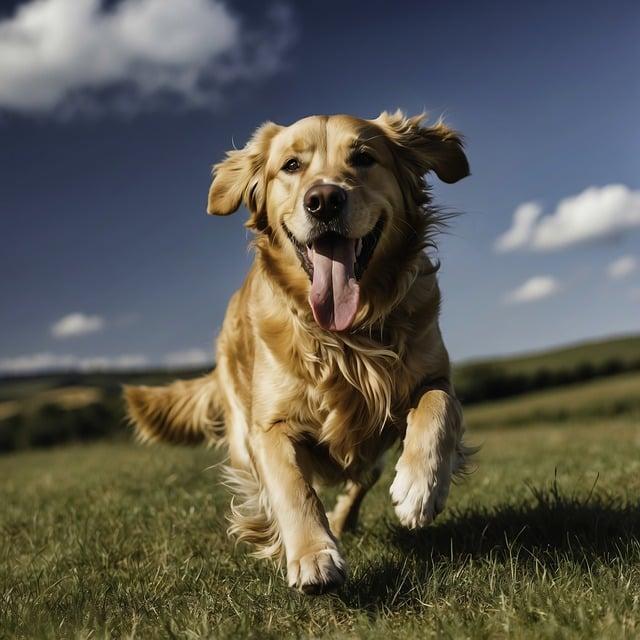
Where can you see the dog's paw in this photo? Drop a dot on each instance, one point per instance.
(419, 492)
(317, 572)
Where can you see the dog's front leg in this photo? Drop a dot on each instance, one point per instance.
(423, 472)
(314, 563)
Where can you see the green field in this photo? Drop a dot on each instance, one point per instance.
(541, 541)
(591, 402)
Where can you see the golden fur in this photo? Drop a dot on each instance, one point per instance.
(297, 404)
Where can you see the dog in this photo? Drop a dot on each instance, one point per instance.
(331, 350)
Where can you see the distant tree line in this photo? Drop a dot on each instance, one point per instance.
(483, 382)
(50, 424)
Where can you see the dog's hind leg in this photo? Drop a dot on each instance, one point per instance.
(344, 515)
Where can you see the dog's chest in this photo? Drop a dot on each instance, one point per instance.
(348, 396)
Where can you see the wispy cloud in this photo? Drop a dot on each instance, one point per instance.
(46, 362)
(78, 55)
(598, 213)
(189, 358)
(533, 289)
(76, 324)
(622, 267)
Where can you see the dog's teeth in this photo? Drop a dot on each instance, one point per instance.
(358, 247)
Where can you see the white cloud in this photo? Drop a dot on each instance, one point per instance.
(49, 362)
(189, 358)
(524, 219)
(622, 267)
(535, 288)
(70, 55)
(76, 324)
(598, 213)
(46, 362)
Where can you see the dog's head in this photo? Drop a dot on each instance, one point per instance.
(337, 197)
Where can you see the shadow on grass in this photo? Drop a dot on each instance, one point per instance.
(553, 530)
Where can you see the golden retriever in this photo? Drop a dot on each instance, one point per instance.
(331, 349)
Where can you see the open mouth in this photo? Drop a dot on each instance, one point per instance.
(335, 264)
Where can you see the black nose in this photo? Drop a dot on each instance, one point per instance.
(325, 200)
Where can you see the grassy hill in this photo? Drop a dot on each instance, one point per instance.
(482, 380)
(591, 402)
(597, 353)
(50, 409)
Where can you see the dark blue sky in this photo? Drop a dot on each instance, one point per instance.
(102, 213)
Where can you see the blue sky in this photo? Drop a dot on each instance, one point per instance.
(106, 253)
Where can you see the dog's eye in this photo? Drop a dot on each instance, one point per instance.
(361, 159)
(291, 166)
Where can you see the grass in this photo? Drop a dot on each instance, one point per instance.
(542, 541)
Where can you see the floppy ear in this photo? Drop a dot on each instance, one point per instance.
(436, 148)
(240, 178)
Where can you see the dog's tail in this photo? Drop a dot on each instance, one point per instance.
(183, 412)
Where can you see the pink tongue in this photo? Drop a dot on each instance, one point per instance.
(334, 291)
